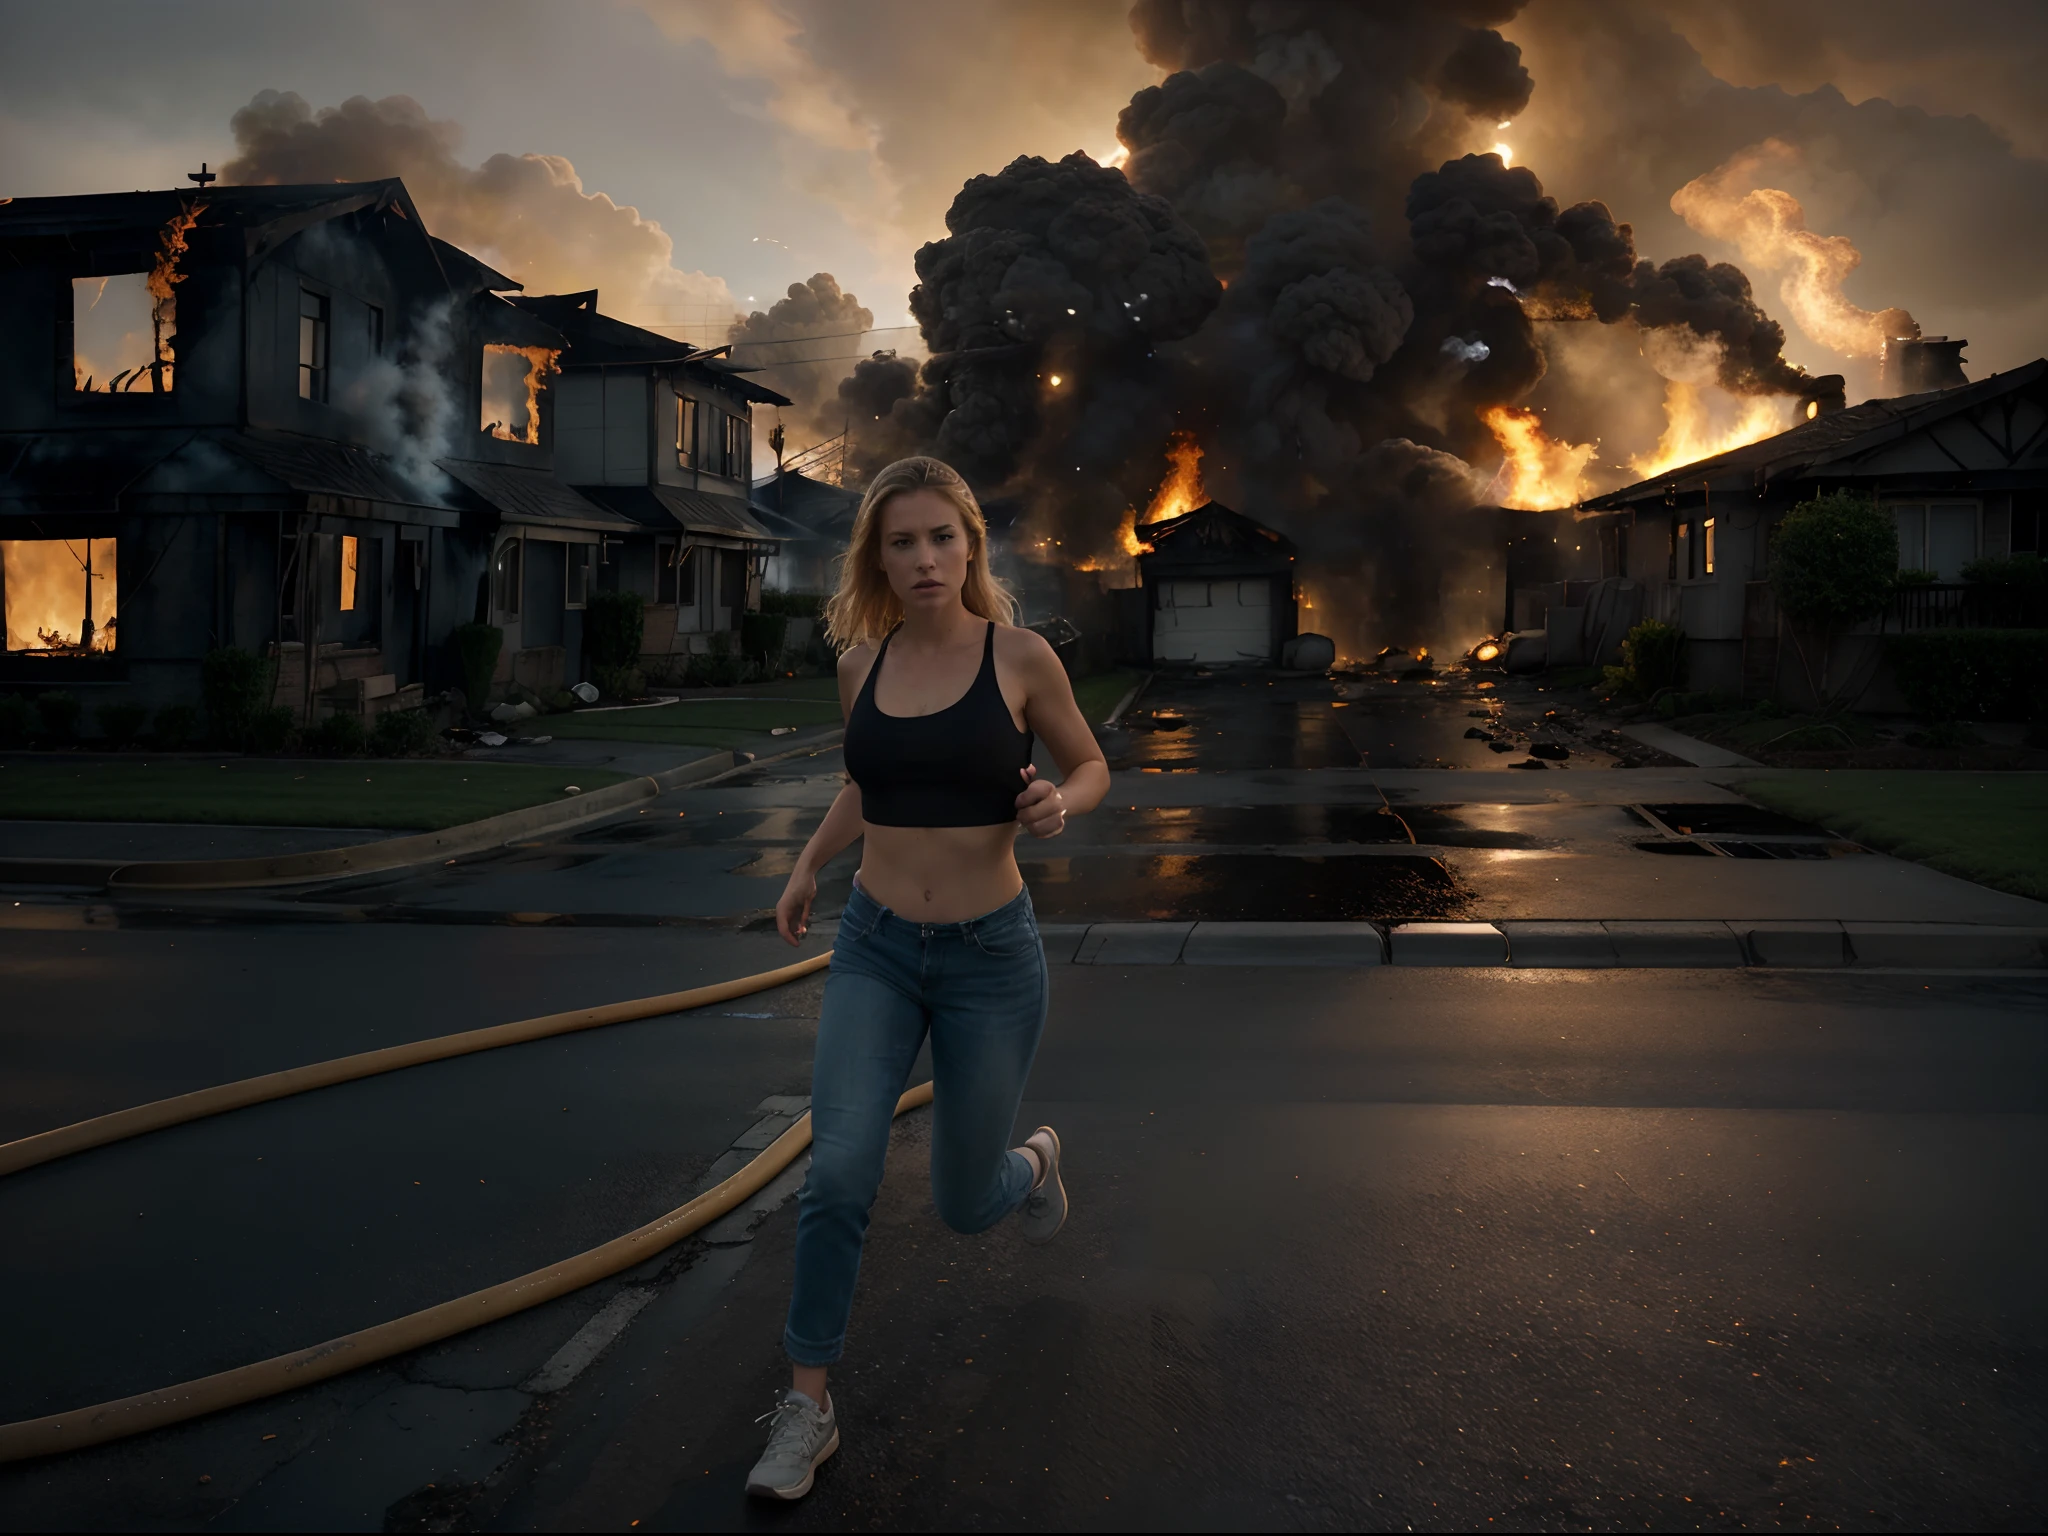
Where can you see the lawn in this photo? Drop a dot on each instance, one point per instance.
(744, 718)
(1987, 827)
(1099, 694)
(274, 792)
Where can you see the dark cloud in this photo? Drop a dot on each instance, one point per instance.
(799, 343)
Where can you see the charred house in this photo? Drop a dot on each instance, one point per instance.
(291, 420)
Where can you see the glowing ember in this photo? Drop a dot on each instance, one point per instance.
(503, 377)
(1488, 651)
(1701, 421)
(1538, 473)
(1181, 492)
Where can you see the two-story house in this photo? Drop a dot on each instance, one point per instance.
(287, 419)
(661, 434)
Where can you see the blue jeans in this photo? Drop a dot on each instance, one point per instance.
(979, 987)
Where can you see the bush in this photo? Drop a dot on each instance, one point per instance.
(1652, 660)
(1913, 576)
(793, 605)
(402, 733)
(1834, 562)
(122, 723)
(337, 736)
(176, 725)
(235, 684)
(614, 624)
(270, 730)
(18, 721)
(718, 669)
(761, 633)
(59, 712)
(476, 656)
(2009, 570)
(1972, 674)
(619, 682)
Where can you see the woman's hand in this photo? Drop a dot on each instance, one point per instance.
(1041, 809)
(793, 912)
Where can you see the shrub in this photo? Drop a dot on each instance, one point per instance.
(176, 725)
(2009, 570)
(59, 712)
(793, 605)
(270, 730)
(1972, 674)
(619, 682)
(235, 684)
(122, 723)
(614, 624)
(337, 736)
(1834, 562)
(476, 655)
(761, 633)
(1913, 576)
(402, 733)
(1652, 659)
(18, 721)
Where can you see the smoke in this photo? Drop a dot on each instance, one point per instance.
(1769, 226)
(526, 215)
(800, 344)
(404, 401)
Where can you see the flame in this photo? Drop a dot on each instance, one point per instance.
(1769, 226)
(1506, 153)
(1539, 473)
(1692, 433)
(1487, 651)
(1128, 547)
(540, 363)
(1181, 491)
(48, 587)
(164, 278)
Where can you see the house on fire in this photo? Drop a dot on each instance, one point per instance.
(289, 419)
(1962, 469)
(1215, 587)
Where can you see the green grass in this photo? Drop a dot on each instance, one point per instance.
(1098, 694)
(1987, 827)
(272, 792)
(712, 721)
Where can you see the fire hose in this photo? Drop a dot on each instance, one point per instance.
(283, 1373)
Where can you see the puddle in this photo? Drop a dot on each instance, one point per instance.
(1242, 888)
(1252, 825)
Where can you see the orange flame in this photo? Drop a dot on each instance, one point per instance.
(1181, 491)
(1692, 432)
(1538, 473)
(540, 363)
(164, 277)
(60, 594)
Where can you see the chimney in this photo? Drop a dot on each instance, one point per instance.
(1914, 365)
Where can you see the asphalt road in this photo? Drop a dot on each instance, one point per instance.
(1381, 1249)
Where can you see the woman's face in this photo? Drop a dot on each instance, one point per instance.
(924, 550)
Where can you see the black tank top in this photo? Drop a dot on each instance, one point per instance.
(961, 767)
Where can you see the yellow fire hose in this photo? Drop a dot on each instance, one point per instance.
(284, 1373)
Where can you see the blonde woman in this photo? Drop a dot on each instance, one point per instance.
(942, 697)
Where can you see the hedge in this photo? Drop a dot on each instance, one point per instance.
(1972, 674)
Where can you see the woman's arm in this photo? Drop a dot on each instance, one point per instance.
(1054, 717)
(842, 823)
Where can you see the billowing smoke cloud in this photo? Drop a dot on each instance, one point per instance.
(526, 215)
(800, 344)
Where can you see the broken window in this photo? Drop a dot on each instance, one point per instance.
(686, 431)
(124, 326)
(581, 570)
(505, 579)
(60, 594)
(349, 551)
(513, 379)
(313, 316)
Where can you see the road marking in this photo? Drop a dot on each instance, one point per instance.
(589, 1341)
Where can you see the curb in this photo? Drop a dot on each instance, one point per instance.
(1580, 945)
(394, 852)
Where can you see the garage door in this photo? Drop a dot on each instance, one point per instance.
(1214, 621)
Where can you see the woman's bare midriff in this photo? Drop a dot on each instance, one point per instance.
(940, 874)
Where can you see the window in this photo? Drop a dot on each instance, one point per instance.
(1707, 545)
(582, 567)
(121, 336)
(736, 435)
(505, 579)
(312, 345)
(2026, 523)
(1682, 554)
(349, 556)
(732, 579)
(675, 574)
(375, 335)
(59, 594)
(686, 431)
(1937, 536)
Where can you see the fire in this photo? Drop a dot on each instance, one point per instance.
(61, 594)
(164, 278)
(1487, 650)
(1769, 226)
(1181, 492)
(497, 394)
(1538, 473)
(1692, 433)
(1128, 547)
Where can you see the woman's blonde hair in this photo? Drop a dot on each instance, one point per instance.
(864, 609)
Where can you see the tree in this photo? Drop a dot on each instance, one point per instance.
(1833, 563)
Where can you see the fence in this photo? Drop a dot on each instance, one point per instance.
(1969, 605)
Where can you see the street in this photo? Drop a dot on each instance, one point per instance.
(1380, 1247)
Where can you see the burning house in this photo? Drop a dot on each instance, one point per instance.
(289, 419)
(1963, 469)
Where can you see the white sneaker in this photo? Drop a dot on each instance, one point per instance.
(802, 1437)
(1045, 1208)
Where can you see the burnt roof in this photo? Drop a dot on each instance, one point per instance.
(1214, 534)
(1830, 442)
(600, 341)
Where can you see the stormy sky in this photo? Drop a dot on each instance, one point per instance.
(697, 158)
